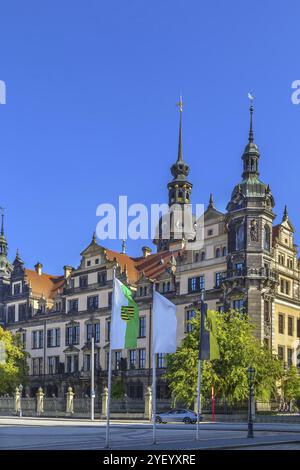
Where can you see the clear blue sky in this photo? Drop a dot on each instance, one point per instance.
(90, 113)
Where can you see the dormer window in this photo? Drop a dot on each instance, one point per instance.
(17, 288)
(88, 263)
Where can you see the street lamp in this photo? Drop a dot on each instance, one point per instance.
(20, 390)
(251, 372)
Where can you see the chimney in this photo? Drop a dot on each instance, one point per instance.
(67, 271)
(146, 251)
(38, 268)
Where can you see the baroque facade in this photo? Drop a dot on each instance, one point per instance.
(246, 263)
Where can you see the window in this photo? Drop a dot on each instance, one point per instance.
(108, 330)
(239, 238)
(142, 358)
(23, 338)
(298, 328)
(160, 360)
(83, 281)
(53, 338)
(118, 357)
(285, 286)
(72, 363)
(189, 314)
(88, 263)
(87, 362)
(218, 279)
(53, 364)
(218, 253)
(195, 284)
(17, 288)
(132, 359)
(93, 329)
(290, 326)
(197, 257)
(72, 335)
(73, 305)
(267, 238)
(11, 313)
(22, 312)
(37, 339)
(280, 324)
(281, 353)
(221, 308)
(238, 305)
(202, 255)
(267, 316)
(97, 261)
(290, 357)
(210, 232)
(102, 278)
(290, 263)
(239, 268)
(37, 366)
(109, 299)
(92, 302)
(142, 327)
(224, 251)
(281, 259)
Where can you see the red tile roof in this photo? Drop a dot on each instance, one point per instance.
(44, 284)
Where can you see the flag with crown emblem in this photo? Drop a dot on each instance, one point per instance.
(125, 318)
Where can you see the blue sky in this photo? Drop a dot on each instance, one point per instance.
(90, 113)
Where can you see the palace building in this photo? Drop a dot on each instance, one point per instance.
(246, 263)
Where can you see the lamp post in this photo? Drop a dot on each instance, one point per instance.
(251, 372)
(20, 390)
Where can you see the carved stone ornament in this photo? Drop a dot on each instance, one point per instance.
(254, 231)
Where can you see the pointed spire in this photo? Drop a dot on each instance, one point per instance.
(211, 204)
(2, 220)
(94, 240)
(285, 214)
(180, 107)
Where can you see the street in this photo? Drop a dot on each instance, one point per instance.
(68, 434)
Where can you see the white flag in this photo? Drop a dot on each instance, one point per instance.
(164, 325)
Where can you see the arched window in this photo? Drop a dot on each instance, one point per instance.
(197, 257)
(218, 252)
(224, 251)
(203, 256)
(267, 238)
(239, 240)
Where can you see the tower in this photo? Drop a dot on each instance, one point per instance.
(178, 224)
(249, 282)
(5, 268)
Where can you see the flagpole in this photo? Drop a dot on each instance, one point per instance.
(109, 369)
(199, 367)
(92, 375)
(153, 379)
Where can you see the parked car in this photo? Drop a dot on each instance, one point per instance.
(178, 416)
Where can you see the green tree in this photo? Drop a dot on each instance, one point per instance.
(239, 349)
(13, 364)
(291, 384)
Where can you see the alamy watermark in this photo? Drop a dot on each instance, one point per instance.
(160, 222)
(2, 92)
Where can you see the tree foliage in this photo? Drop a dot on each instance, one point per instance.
(291, 384)
(13, 366)
(239, 349)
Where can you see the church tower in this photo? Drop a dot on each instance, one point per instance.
(177, 226)
(249, 283)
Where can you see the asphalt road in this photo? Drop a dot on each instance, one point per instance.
(39, 434)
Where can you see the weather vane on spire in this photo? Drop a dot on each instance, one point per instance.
(251, 97)
(180, 104)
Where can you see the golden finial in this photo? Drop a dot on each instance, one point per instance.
(180, 104)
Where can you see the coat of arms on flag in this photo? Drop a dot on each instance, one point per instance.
(127, 312)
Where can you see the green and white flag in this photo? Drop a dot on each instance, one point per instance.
(125, 318)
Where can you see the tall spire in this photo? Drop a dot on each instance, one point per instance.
(180, 107)
(251, 152)
(2, 221)
(285, 214)
(251, 139)
(3, 242)
(211, 204)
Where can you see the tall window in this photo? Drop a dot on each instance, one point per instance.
(72, 363)
(218, 279)
(189, 314)
(53, 338)
(53, 364)
(218, 253)
(195, 284)
(290, 326)
(142, 358)
(239, 240)
(161, 360)
(92, 302)
(267, 238)
(280, 324)
(37, 339)
(83, 281)
(11, 313)
(17, 288)
(108, 330)
(37, 366)
(72, 335)
(93, 329)
(142, 327)
(298, 328)
(132, 358)
(73, 305)
(281, 353)
(102, 278)
(224, 251)
(290, 357)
